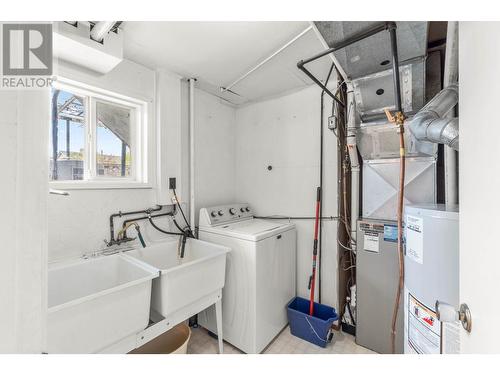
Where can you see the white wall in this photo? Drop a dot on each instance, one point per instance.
(171, 138)
(23, 223)
(214, 151)
(284, 133)
(79, 223)
(479, 183)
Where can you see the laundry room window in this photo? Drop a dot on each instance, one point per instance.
(98, 139)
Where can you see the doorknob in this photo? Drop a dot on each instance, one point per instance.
(447, 313)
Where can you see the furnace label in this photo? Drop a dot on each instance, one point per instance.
(371, 242)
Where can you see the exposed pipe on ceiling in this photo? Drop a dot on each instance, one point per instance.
(429, 124)
(275, 53)
(331, 55)
(101, 29)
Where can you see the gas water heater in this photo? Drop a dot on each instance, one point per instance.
(431, 274)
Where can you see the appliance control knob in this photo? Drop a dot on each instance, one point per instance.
(247, 209)
(220, 213)
(242, 209)
(213, 214)
(232, 211)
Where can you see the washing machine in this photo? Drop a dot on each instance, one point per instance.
(260, 274)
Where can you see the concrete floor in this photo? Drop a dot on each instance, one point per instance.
(202, 343)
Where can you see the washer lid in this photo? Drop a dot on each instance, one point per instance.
(252, 230)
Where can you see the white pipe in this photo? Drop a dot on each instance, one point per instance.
(451, 77)
(353, 156)
(191, 156)
(100, 30)
(278, 51)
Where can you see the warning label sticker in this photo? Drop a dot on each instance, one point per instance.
(415, 238)
(450, 338)
(371, 242)
(424, 329)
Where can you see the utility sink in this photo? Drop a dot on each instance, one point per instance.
(96, 302)
(183, 281)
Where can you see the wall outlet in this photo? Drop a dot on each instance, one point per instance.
(171, 183)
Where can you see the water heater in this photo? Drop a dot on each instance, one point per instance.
(431, 274)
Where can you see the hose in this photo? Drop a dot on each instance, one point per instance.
(140, 236)
(187, 233)
(184, 216)
(164, 231)
(177, 225)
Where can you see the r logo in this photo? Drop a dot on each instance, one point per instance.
(27, 49)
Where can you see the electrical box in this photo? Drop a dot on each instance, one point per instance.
(377, 277)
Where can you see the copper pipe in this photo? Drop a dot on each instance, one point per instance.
(400, 123)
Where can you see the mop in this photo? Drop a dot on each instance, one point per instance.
(312, 279)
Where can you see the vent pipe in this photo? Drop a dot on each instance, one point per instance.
(430, 123)
(100, 30)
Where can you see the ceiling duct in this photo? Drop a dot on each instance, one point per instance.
(100, 29)
(74, 43)
(368, 64)
(373, 54)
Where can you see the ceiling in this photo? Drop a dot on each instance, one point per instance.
(218, 53)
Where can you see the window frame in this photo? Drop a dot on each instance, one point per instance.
(140, 176)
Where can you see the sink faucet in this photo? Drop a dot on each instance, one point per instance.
(122, 234)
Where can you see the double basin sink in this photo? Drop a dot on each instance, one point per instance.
(94, 303)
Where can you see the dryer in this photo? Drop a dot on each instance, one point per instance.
(260, 274)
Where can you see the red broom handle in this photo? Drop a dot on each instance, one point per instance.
(315, 253)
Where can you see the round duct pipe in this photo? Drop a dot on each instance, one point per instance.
(100, 30)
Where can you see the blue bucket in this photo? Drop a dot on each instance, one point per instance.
(314, 329)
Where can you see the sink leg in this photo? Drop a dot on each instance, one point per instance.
(218, 314)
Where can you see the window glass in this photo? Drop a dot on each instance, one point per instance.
(94, 136)
(113, 140)
(67, 136)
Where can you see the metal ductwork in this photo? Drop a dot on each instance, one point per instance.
(368, 65)
(97, 46)
(430, 125)
(101, 29)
